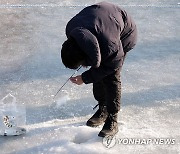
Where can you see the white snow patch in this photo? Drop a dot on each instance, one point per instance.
(62, 100)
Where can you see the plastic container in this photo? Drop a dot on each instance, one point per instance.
(12, 117)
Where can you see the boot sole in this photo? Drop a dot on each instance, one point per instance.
(106, 135)
(92, 125)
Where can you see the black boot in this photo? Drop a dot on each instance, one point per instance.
(110, 127)
(98, 118)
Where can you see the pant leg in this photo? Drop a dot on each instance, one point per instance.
(112, 85)
(99, 92)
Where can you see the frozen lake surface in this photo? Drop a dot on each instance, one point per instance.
(31, 36)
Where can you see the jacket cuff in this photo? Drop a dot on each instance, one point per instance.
(86, 78)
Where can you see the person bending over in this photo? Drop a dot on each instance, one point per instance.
(100, 36)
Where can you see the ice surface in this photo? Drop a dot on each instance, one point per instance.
(30, 69)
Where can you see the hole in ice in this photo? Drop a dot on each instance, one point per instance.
(62, 100)
(80, 139)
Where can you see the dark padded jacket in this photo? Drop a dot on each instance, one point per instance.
(99, 30)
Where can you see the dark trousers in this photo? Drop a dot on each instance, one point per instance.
(108, 92)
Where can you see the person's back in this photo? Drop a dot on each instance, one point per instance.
(109, 24)
(103, 20)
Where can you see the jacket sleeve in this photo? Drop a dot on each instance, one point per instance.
(107, 67)
(94, 75)
(89, 44)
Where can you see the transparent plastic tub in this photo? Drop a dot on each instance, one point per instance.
(12, 117)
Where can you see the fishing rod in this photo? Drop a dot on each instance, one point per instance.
(67, 81)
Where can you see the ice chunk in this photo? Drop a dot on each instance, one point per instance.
(62, 100)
